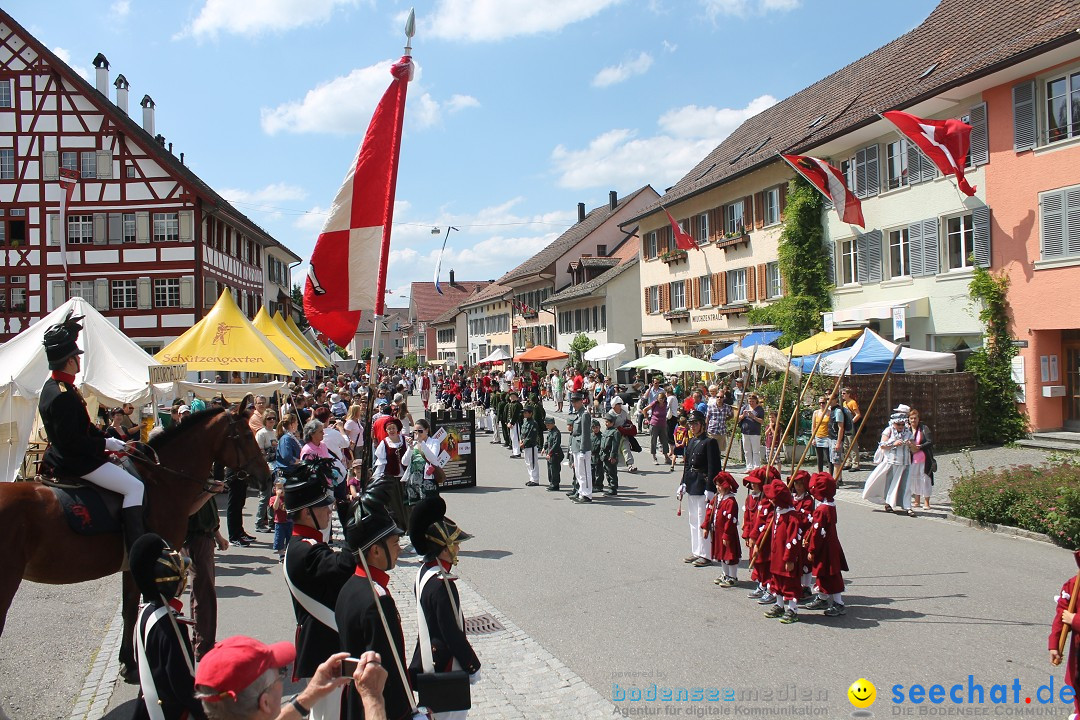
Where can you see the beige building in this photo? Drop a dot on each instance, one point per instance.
(487, 322)
(451, 338)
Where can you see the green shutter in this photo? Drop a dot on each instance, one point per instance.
(1052, 223)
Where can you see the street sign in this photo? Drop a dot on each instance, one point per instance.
(1020, 343)
(167, 373)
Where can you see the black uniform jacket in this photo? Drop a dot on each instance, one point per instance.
(702, 463)
(320, 572)
(448, 641)
(174, 682)
(76, 445)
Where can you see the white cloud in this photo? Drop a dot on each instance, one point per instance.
(344, 105)
(614, 74)
(493, 20)
(65, 55)
(619, 158)
(255, 17)
(312, 221)
(670, 47)
(745, 8)
(270, 195)
(120, 9)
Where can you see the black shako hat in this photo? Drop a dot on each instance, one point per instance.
(60, 340)
(370, 523)
(156, 568)
(305, 487)
(430, 530)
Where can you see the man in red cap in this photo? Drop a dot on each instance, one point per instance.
(824, 553)
(1063, 617)
(726, 548)
(785, 553)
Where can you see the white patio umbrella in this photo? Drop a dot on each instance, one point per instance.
(768, 357)
(683, 363)
(607, 351)
(643, 362)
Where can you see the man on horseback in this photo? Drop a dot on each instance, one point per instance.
(76, 446)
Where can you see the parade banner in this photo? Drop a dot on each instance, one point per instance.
(455, 433)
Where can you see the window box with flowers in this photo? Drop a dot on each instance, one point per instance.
(733, 239)
(677, 315)
(670, 256)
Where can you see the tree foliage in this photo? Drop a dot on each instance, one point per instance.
(298, 305)
(580, 345)
(804, 267)
(998, 419)
(408, 362)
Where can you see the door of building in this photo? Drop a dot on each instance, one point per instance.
(1071, 350)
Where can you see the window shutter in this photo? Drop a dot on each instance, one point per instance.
(116, 228)
(645, 298)
(57, 294)
(861, 274)
(914, 164)
(873, 171)
(104, 164)
(51, 161)
(830, 269)
(873, 256)
(759, 210)
(186, 219)
(142, 227)
(980, 139)
(783, 199)
(721, 288)
(187, 292)
(762, 281)
(1072, 221)
(1024, 123)
(665, 297)
(980, 222)
(930, 245)
(55, 228)
(748, 210)
(717, 221)
(751, 284)
(100, 228)
(210, 294)
(1052, 211)
(915, 250)
(861, 182)
(101, 294)
(143, 294)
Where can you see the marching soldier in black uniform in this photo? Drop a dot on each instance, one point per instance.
(702, 463)
(315, 574)
(514, 416)
(76, 446)
(373, 533)
(162, 646)
(442, 645)
(610, 441)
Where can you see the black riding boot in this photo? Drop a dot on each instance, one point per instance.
(131, 520)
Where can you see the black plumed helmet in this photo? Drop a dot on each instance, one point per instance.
(370, 523)
(305, 487)
(157, 569)
(430, 531)
(61, 340)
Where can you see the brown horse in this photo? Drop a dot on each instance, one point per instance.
(39, 545)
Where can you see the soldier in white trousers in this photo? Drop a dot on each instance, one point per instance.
(581, 449)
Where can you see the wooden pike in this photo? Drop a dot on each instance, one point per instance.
(735, 423)
(838, 471)
(1064, 627)
(780, 405)
(795, 414)
(814, 429)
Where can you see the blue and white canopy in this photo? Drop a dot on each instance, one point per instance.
(755, 338)
(870, 355)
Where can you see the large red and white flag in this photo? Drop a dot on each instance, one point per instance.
(347, 272)
(68, 180)
(683, 241)
(830, 182)
(945, 142)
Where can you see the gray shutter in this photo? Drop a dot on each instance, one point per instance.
(927, 166)
(930, 232)
(1072, 221)
(142, 227)
(1052, 221)
(210, 292)
(915, 250)
(186, 219)
(57, 292)
(143, 293)
(51, 161)
(980, 223)
(1025, 136)
(187, 292)
(861, 251)
(860, 173)
(100, 228)
(830, 268)
(101, 294)
(55, 228)
(104, 164)
(980, 139)
(914, 164)
(873, 171)
(873, 256)
(116, 228)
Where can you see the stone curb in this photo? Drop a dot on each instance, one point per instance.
(1001, 529)
(93, 700)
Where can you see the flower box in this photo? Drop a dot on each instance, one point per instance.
(734, 240)
(677, 315)
(672, 256)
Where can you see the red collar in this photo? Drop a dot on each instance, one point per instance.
(177, 605)
(445, 565)
(307, 532)
(380, 577)
(63, 377)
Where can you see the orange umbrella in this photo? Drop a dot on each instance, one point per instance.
(540, 353)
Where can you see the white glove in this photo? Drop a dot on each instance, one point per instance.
(114, 445)
(709, 495)
(474, 678)
(682, 491)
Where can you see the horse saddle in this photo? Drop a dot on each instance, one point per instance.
(89, 510)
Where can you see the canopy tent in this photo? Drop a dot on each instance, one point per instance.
(226, 340)
(767, 357)
(870, 355)
(643, 362)
(602, 353)
(540, 353)
(113, 372)
(312, 340)
(495, 356)
(233, 392)
(683, 363)
(289, 326)
(281, 340)
(762, 337)
(822, 341)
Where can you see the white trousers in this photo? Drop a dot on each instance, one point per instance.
(329, 708)
(515, 439)
(583, 473)
(695, 513)
(113, 477)
(531, 464)
(452, 715)
(489, 420)
(751, 446)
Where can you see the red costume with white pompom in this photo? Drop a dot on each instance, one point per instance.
(785, 543)
(726, 546)
(1072, 663)
(825, 553)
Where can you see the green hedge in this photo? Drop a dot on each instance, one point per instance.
(1043, 499)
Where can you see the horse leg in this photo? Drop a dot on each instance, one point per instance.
(9, 584)
(129, 669)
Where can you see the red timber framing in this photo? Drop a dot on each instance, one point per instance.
(149, 244)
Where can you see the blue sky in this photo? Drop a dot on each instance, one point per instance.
(521, 108)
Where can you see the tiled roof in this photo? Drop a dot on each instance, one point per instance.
(587, 288)
(135, 132)
(562, 244)
(595, 262)
(491, 292)
(430, 304)
(447, 316)
(960, 40)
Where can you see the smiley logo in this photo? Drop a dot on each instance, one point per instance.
(862, 693)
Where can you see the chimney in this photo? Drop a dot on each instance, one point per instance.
(122, 86)
(102, 65)
(580, 212)
(182, 162)
(451, 277)
(613, 199)
(147, 114)
(170, 148)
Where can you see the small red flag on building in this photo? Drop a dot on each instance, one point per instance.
(830, 182)
(683, 241)
(347, 272)
(945, 142)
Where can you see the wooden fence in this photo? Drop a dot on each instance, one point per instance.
(946, 403)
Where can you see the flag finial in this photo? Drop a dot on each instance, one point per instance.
(410, 30)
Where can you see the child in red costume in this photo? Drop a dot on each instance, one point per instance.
(726, 548)
(1063, 617)
(804, 506)
(785, 553)
(824, 552)
(756, 517)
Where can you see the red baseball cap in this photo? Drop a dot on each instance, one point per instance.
(234, 663)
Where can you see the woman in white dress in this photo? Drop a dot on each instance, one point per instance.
(888, 483)
(922, 460)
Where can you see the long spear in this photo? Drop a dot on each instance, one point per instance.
(780, 405)
(837, 472)
(825, 417)
(1072, 609)
(795, 412)
(735, 424)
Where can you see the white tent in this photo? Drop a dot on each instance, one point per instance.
(114, 371)
(497, 355)
(871, 354)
